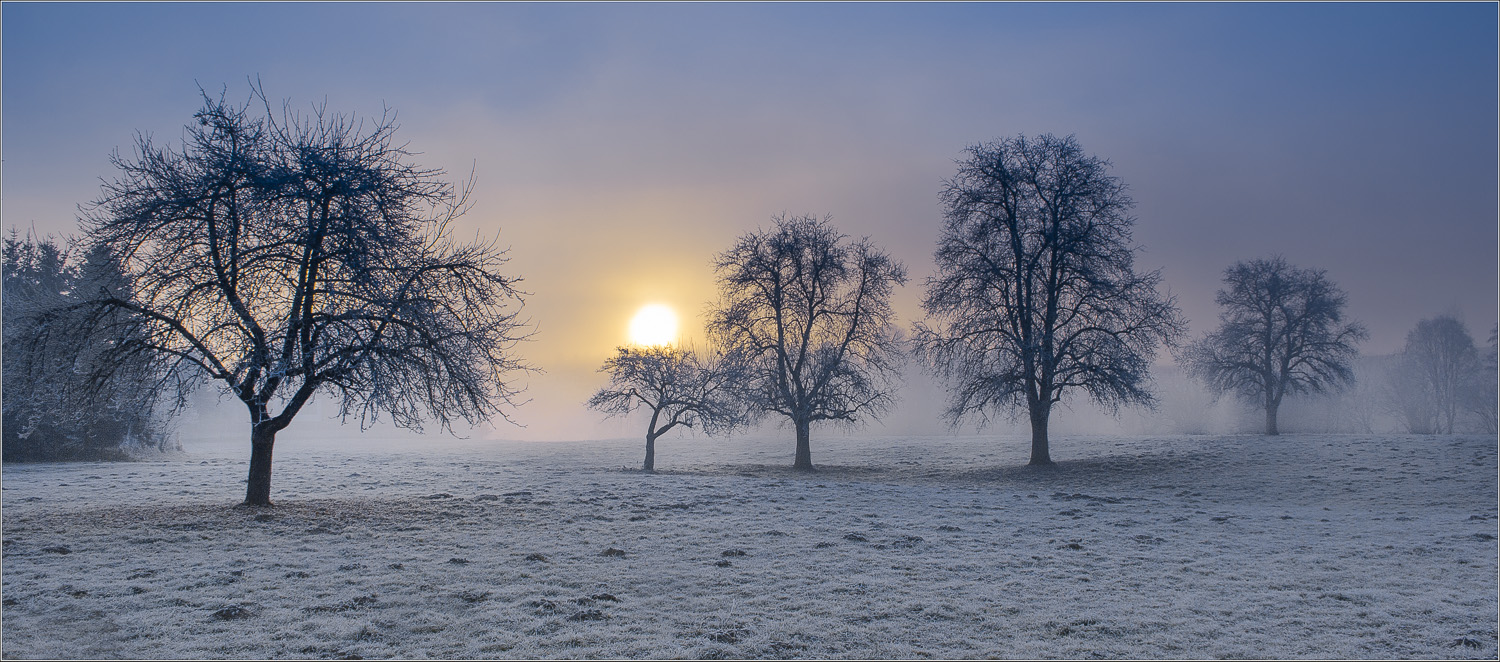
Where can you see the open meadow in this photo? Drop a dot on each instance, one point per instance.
(1301, 546)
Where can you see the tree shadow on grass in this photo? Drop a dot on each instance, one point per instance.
(1154, 469)
(1167, 469)
(325, 512)
(783, 471)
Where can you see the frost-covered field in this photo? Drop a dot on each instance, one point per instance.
(1299, 546)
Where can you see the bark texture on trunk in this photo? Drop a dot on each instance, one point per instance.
(1039, 451)
(804, 447)
(1271, 420)
(650, 463)
(258, 487)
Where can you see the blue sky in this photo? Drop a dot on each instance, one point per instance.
(617, 147)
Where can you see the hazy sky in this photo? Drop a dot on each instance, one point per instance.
(618, 147)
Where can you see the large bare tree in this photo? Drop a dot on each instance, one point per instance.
(1281, 332)
(1036, 293)
(286, 255)
(811, 311)
(678, 385)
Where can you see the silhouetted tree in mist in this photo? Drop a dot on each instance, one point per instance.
(1037, 294)
(1281, 332)
(287, 257)
(1438, 374)
(811, 313)
(1485, 402)
(678, 385)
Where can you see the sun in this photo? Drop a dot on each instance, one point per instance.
(654, 324)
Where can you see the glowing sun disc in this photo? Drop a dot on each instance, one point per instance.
(655, 324)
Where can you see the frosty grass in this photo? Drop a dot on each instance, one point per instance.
(1232, 546)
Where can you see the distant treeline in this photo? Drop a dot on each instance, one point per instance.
(50, 412)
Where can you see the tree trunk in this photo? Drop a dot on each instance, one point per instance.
(258, 487)
(650, 464)
(1039, 452)
(804, 447)
(1271, 419)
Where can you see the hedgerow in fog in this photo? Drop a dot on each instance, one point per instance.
(64, 399)
(678, 385)
(1037, 294)
(283, 255)
(811, 311)
(1281, 332)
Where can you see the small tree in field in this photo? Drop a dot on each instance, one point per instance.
(1281, 332)
(678, 386)
(306, 255)
(1036, 293)
(811, 312)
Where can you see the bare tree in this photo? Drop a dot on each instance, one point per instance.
(1036, 293)
(1436, 375)
(678, 385)
(292, 256)
(1281, 332)
(812, 313)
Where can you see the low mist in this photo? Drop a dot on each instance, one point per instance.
(1184, 407)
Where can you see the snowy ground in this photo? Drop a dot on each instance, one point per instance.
(1299, 546)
